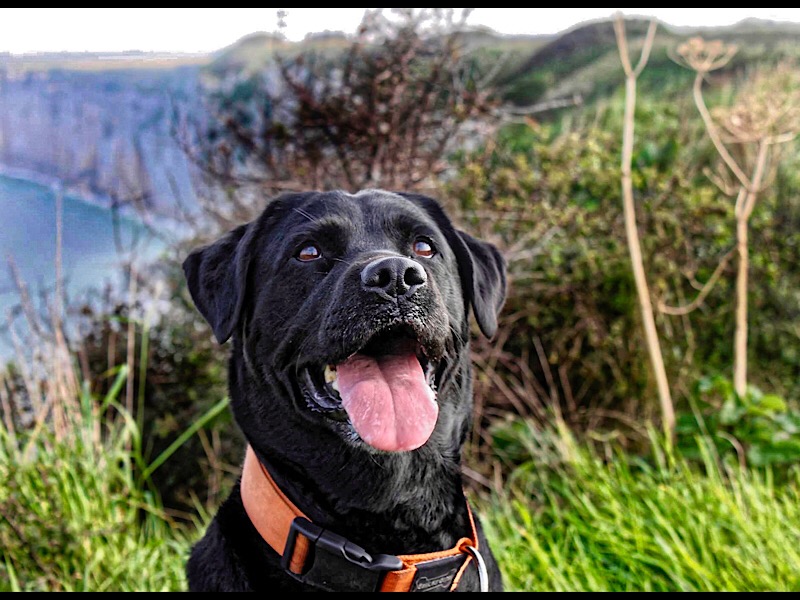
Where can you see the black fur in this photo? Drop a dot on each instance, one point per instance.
(285, 315)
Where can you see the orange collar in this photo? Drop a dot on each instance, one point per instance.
(319, 558)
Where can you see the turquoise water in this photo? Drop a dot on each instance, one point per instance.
(89, 253)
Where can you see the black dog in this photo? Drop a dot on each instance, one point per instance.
(350, 377)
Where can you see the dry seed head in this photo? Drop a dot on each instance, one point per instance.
(704, 57)
(768, 107)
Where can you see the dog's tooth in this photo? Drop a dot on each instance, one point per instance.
(331, 377)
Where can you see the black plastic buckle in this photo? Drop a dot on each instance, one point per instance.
(335, 564)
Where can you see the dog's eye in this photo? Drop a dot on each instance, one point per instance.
(424, 249)
(309, 253)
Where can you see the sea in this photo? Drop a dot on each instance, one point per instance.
(96, 242)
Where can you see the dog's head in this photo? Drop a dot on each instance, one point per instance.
(351, 312)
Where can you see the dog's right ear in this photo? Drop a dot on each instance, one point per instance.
(217, 279)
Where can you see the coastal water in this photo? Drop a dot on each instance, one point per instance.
(96, 241)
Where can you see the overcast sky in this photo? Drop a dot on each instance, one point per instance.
(209, 29)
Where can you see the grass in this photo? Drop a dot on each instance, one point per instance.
(572, 520)
(75, 517)
(76, 514)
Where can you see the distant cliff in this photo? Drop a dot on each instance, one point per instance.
(106, 132)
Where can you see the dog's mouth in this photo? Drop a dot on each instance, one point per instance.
(386, 390)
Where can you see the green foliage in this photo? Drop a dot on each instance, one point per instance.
(550, 196)
(526, 89)
(570, 519)
(761, 429)
(185, 376)
(75, 513)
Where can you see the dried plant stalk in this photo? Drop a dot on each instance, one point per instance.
(767, 115)
(634, 245)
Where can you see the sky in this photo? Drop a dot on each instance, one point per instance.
(26, 30)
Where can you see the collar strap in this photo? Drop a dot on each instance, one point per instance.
(330, 562)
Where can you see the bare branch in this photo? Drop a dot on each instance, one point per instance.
(758, 175)
(487, 80)
(648, 47)
(725, 187)
(785, 138)
(516, 254)
(740, 201)
(521, 111)
(622, 44)
(698, 302)
(713, 133)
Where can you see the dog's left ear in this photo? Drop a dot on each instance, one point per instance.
(481, 266)
(217, 279)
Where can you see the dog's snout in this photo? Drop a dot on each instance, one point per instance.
(395, 277)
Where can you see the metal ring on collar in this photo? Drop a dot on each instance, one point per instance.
(483, 573)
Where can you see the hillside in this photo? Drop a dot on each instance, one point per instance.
(582, 61)
(253, 53)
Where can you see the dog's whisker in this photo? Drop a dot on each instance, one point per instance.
(379, 465)
(303, 213)
(456, 335)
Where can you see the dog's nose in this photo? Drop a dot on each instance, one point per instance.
(396, 277)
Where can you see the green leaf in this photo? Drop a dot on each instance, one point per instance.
(762, 455)
(687, 425)
(754, 394)
(731, 412)
(789, 422)
(756, 410)
(213, 412)
(705, 385)
(773, 403)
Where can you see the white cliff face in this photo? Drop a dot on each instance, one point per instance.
(105, 133)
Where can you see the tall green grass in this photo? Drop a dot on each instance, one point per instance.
(573, 520)
(77, 511)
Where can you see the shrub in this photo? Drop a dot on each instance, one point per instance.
(760, 430)
(570, 335)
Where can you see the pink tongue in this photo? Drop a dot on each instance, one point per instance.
(389, 401)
